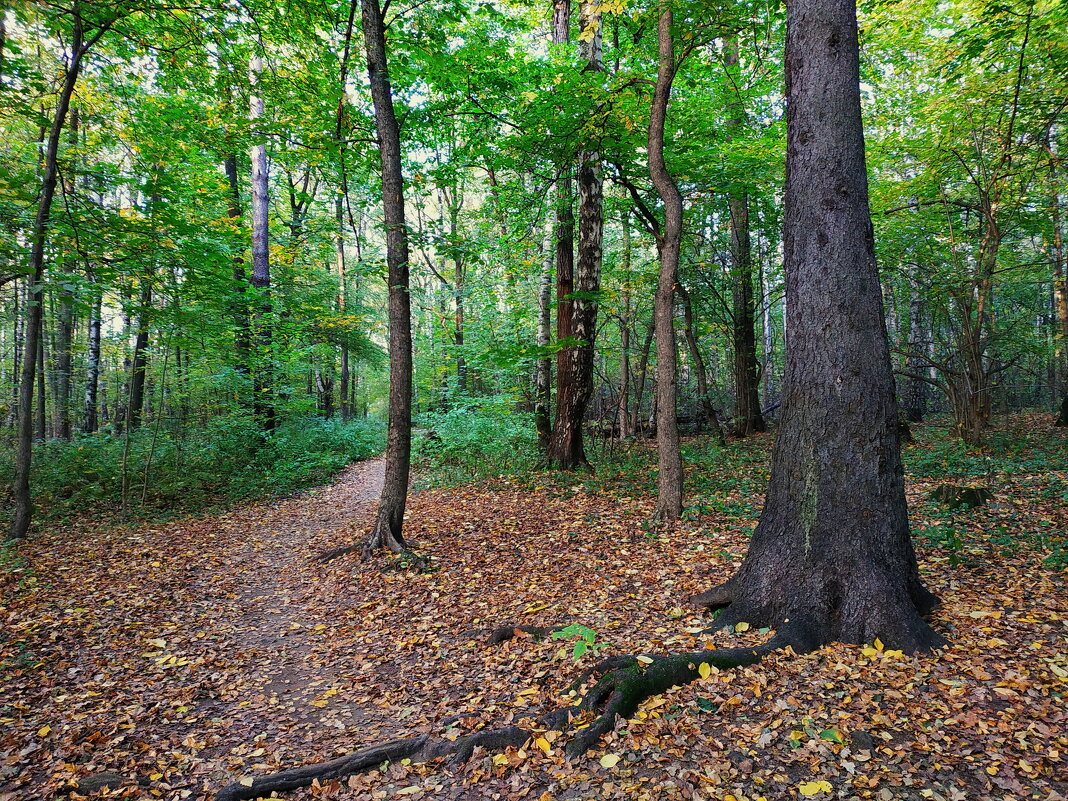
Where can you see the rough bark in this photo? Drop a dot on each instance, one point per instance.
(831, 558)
(643, 371)
(388, 528)
(747, 417)
(20, 486)
(262, 381)
(669, 457)
(1060, 288)
(575, 361)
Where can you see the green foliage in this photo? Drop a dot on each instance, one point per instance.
(168, 474)
(587, 639)
(476, 437)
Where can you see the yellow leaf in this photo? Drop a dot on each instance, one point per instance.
(44, 731)
(878, 644)
(740, 627)
(246, 781)
(543, 744)
(411, 789)
(645, 660)
(704, 670)
(500, 759)
(869, 652)
(155, 776)
(811, 788)
(609, 760)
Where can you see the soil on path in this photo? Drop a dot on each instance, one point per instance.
(171, 643)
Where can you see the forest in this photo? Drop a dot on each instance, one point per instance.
(573, 399)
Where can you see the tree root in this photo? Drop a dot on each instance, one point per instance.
(624, 683)
(337, 553)
(509, 632)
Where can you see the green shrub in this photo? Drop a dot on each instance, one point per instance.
(476, 437)
(164, 473)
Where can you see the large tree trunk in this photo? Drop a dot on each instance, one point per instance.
(20, 486)
(831, 558)
(747, 416)
(669, 458)
(388, 528)
(263, 367)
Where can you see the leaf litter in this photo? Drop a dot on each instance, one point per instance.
(178, 658)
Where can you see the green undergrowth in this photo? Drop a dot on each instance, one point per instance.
(1024, 461)
(161, 475)
(475, 439)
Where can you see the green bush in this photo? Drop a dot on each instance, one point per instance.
(167, 473)
(476, 437)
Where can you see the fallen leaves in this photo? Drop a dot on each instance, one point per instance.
(315, 660)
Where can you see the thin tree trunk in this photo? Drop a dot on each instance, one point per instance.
(139, 369)
(21, 483)
(624, 335)
(747, 416)
(263, 369)
(239, 302)
(1060, 288)
(915, 394)
(543, 378)
(41, 413)
(643, 371)
(708, 409)
(342, 302)
(388, 528)
(669, 457)
(92, 371)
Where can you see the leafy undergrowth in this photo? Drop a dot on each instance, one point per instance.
(189, 655)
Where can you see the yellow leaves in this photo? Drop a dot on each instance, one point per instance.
(530, 97)
(500, 759)
(530, 610)
(704, 670)
(44, 731)
(159, 642)
(645, 660)
(543, 744)
(609, 760)
(812, 788)
(741, 627)
(411, 789)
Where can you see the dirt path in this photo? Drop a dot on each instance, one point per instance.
(174, 641)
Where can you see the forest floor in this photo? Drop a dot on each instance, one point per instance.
(174, 659)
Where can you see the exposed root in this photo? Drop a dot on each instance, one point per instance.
(509, 632)
(628, 681)
(624, 683)
(295, 778)
(337, 553)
